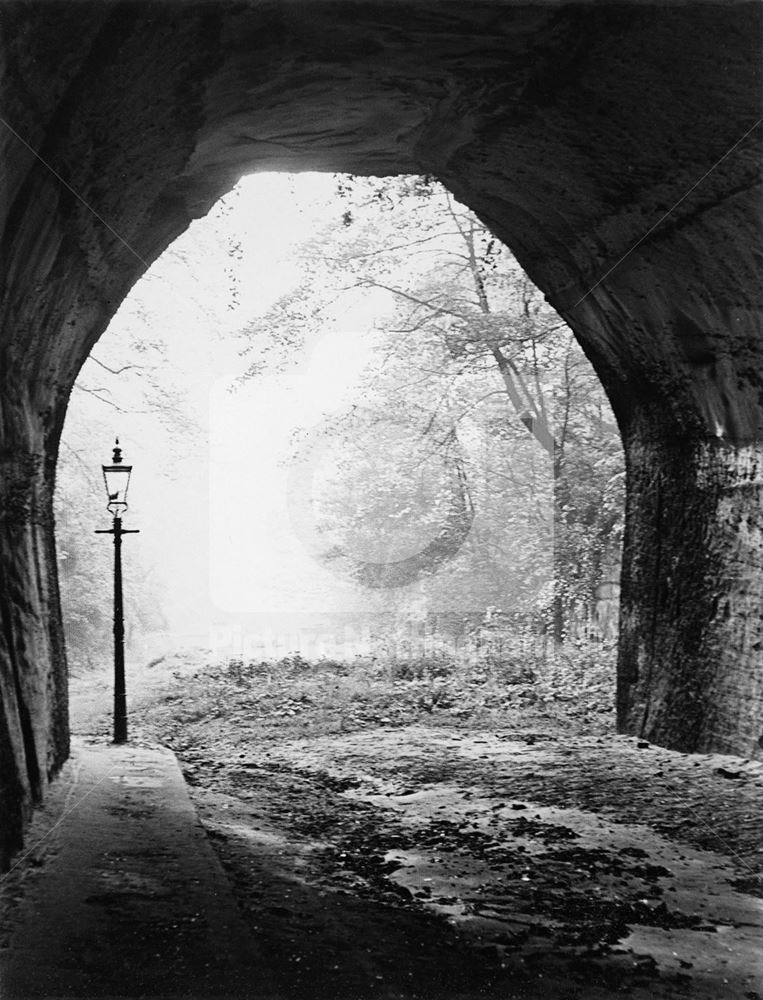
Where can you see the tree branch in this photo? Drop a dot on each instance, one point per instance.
(537, 427)
(113, 371)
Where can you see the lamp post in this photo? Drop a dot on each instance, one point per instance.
(117, 479)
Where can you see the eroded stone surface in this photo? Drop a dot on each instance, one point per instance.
(614, 148)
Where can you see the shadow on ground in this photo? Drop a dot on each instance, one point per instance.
(515, 856)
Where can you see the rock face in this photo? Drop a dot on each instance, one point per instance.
(615, 149)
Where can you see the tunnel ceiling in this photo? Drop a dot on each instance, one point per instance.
(571, 129)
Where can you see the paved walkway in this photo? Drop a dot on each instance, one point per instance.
(119, 893)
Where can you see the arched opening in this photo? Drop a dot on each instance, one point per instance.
(369, 914)
(324, 870)
(639, 226)
(283, 318)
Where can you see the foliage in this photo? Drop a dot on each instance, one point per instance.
(472, 374)
(473, 459)
(86, 571)
(589, 492)
(293, 695)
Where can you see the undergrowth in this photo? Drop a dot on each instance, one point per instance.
(300, 696)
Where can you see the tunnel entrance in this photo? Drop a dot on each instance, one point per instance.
(259, 360)
(639, 219)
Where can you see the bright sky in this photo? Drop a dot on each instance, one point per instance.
(251, 429)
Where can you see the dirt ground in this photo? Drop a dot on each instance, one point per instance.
(520, 855)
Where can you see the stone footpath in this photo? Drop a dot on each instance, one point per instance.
(119, 893)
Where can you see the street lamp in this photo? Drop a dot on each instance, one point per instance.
(117, 479)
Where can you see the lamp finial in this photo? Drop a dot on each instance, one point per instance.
(117, 453)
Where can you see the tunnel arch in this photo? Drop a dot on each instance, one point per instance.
(614, 148)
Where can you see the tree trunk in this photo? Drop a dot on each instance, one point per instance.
(691, 631)
(560, 498)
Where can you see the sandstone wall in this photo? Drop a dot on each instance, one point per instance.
(613, 148)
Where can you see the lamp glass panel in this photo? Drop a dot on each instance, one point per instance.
(117, 479)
